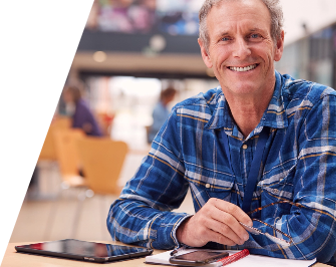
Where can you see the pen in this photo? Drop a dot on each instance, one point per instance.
(237, 256)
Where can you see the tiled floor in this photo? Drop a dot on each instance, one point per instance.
(32, 223)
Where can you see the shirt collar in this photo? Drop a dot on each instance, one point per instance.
(274, 116)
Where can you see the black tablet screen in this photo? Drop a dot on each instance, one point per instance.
(83, 248)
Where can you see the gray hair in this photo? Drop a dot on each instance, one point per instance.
(273, 6)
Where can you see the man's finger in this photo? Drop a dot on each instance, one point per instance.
(220, 239)
(232, 209)
(226, 231)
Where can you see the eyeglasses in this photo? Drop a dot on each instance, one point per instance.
(255, 231)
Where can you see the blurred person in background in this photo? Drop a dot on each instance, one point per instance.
(160, 112)
(127, 16)
(142, 15)
(258, 152)
(78, 109)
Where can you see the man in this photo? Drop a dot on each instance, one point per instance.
(82, 116)
(283, 130)
(161, 112)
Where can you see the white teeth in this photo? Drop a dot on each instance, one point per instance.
(243, 69)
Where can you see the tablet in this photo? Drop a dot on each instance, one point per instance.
(82, 250)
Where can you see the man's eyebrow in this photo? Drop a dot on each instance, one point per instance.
(256, 29)
(222, 33)
(225, 32)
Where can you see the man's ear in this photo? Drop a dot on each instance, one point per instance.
(205, 54)
(279, 47)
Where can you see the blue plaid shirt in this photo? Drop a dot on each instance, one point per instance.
(188, 152)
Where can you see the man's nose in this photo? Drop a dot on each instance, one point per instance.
(241, 48)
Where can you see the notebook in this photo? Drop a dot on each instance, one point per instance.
(250, 261)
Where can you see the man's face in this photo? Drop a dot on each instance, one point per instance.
(241, 50)
(67, 97)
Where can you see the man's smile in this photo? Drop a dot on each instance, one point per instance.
(247, 68)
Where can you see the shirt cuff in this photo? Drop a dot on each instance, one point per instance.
(179, 244)
(166, 226)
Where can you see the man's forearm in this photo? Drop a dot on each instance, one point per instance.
(132, 221)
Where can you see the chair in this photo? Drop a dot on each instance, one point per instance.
(69, 166)
(67, 156)
(102, 161)
(62, 122)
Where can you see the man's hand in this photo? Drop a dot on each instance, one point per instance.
(216, 221)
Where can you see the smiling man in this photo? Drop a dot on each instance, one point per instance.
(258, 152)
(240, 49)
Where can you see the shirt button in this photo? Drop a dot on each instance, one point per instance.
(245, 146)
(207, 186)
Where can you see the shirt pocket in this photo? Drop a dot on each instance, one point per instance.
(206, 184)
(277, 182)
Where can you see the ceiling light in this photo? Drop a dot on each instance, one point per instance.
(99, 56)
(157, 43)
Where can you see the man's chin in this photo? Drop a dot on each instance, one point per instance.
(241, 88)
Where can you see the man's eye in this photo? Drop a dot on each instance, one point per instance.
(255, 35)
(225, 39)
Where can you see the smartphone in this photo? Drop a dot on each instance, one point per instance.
(83, 250)
(197, 258)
